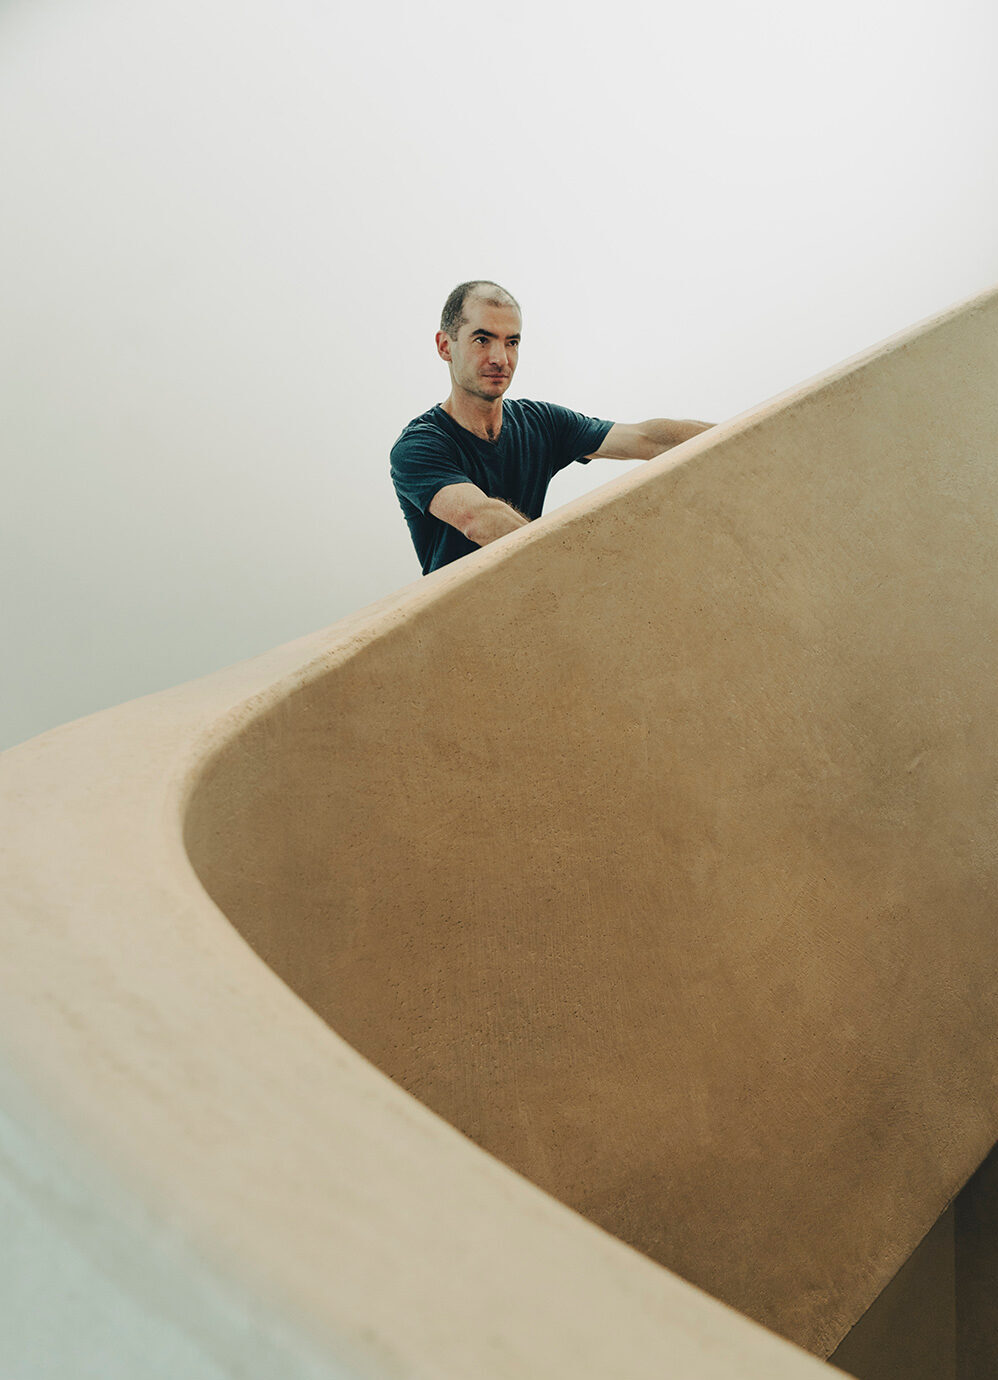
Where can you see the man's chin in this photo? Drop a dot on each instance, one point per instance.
(488, 390)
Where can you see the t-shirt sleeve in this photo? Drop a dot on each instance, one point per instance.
(421, 467)
(575, 436)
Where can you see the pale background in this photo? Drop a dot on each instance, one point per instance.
(227, 228)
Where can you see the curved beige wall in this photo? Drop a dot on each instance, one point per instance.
(651, 847)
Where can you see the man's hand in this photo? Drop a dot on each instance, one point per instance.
(480, 518)
(645, 440)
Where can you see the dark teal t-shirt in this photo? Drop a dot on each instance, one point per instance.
(537, 440)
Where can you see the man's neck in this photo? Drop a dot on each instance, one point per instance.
(481, 416)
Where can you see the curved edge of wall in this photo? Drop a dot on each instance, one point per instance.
(197, 1172)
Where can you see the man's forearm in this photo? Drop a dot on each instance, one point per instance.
(665, 432)
(492, 521)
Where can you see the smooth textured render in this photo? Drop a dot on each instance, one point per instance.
(652, 848)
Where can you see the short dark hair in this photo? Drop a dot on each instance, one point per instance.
(452, 316)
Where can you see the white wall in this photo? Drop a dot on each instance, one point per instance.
(228, 226)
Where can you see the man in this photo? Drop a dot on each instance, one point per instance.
(474, 468)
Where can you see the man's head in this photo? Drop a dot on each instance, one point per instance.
(479, 337)
(453, 315)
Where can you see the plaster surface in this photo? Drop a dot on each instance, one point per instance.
(643, 864)
(659, 855)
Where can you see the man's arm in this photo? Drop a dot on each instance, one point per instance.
(645, 440)
(480, 518)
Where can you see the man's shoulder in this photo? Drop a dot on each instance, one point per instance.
(540, 421)
(424, 427)
(529, 407)
(536, 411)
(434, 431)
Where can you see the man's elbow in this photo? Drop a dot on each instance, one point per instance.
(474, 528)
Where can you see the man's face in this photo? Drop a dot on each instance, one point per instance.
(483, 355)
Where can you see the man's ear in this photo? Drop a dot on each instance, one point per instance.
(443, 345)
